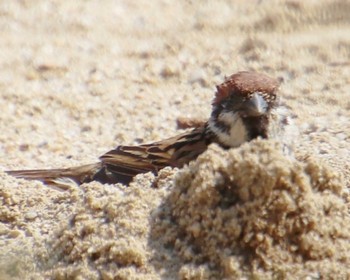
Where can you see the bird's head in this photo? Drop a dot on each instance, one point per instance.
(242, 107)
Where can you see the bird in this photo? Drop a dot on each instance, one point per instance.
(246, 106)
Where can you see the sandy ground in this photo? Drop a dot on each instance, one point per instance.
(81, 77)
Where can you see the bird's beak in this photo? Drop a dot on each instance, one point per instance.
(255, 106)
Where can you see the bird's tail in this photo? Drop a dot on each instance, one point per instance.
(79, 175)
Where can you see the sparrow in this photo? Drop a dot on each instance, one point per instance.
(246, 106)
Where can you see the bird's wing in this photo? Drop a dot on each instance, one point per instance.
(128, 161)
(184, 122)
(59, 177)
(123, 163)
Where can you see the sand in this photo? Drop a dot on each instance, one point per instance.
(81, 77)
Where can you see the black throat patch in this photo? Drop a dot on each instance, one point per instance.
(257, 126)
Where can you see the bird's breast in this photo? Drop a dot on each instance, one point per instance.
(229, 129)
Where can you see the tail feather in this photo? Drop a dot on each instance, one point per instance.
(79, 175)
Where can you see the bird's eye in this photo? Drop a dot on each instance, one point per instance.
(235, 101)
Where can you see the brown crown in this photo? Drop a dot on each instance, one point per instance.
(245, 83)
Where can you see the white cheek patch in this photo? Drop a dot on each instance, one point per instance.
(236, 134)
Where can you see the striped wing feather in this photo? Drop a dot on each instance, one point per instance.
(124, 162)
(174, 152)
(79, 174)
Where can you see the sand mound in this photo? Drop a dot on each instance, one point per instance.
(253, 212)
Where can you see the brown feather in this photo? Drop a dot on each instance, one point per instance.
(124, 162)
(79, 174)
(184, 123)
(246, 83)
(174, 152)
